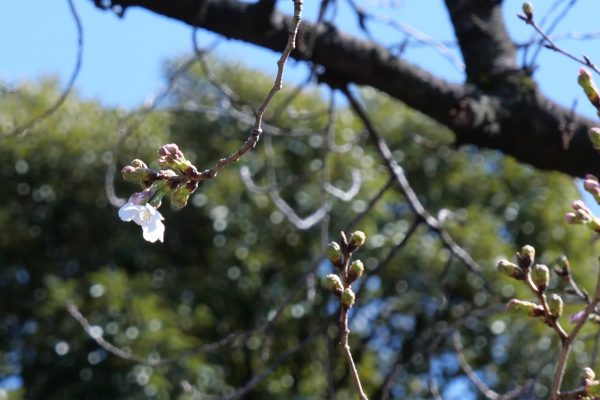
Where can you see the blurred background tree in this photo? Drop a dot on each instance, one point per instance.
(236, 286)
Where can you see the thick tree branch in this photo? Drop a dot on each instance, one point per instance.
(484, 42)
(512, 116)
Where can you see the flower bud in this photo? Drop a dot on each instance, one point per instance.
(582, 215)
(526, 256)
(136, 171)
(137, 164)
(555, 305)
(334, 284)
(589, 87)
(540, 274)
(510, 269)
(562, 267)
(573, 218)
(355, 271)
(180, 196)
(348, 297)
(357, 239)
(588, 377)
(592, 187)
(527, 307)
(528, 10)
(169, 156)
(334, 254)
(594, 135)
(171, 151)
(577, 317)
(142, 197)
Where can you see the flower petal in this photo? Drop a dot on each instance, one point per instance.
(129, 211)
(155, 230)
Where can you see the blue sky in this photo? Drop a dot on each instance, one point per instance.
(123, 58)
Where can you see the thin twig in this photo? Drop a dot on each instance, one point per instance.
(549, 319)
(20, 130)
(259, 113)
(345, 333)
(552, 46)
(397, 172)
(552, 26)
(568, 341)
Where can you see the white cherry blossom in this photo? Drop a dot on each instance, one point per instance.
(145, 216)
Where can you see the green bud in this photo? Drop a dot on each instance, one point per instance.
(594, 135)
(356, 270)
(526, 307)
(180, 196)
(563, 268)
(348, 297)
(334, 253)
(136, 171)
(526, 256)
(138, 164)
(555, 305)
(589, 87)
(357, 239)
(528, 9)
(334, 284)
(540, 274)
(510, 269)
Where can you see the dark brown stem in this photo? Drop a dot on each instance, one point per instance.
(344, 336)
(568, 341)
(549, 319)
(397, 172)
(260, 111)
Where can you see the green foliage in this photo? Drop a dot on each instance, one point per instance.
(230, 257)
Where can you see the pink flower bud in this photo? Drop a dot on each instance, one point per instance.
(579, 205)
(575, 318)
(170, 150)
(571, 218)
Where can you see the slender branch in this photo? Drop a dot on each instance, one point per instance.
(397, 172)
(551, 28)
(20, 130)
(566, 344)
(552, 46)
(549, 319)
(345, 334)
(259, 113)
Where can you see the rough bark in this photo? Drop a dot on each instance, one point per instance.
(499, 107)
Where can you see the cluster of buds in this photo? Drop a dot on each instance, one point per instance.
(177, 179)
(518, 271)
(340, 256)
(582, 215)
(537, 278)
